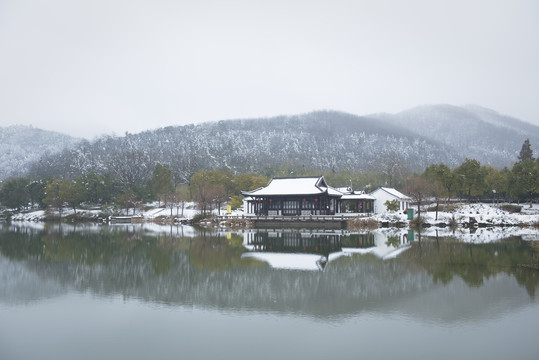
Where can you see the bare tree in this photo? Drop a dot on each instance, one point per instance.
(392, 164)
(419, 189)
(182, 197)
(130, 168)
(218, 195)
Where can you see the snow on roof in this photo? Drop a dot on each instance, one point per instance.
(344, 189)
(393, 192)
(334, 192)
(357, 197)
(294, 186)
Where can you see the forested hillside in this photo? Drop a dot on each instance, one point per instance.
(453, 148)
(318, 141)
(20, 146)
(470, 131)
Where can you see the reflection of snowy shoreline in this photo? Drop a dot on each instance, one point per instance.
(477, 235)
(388, 243)
(484, 235)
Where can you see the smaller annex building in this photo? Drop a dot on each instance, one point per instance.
(384, 194)
(304, 196)
(355, 201)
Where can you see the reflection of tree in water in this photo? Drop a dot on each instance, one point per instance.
(393, 241)
(215, 251)
(207, 271)
(445, 258)
(89, 247)
(208, 250)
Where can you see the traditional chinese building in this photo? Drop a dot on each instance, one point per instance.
(304, 196)
(355, 202)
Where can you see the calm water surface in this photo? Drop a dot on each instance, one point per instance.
(139, 292)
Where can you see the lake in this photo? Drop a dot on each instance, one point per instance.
(168, 292)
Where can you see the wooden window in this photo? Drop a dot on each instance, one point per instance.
(290, 207)
(274, 204)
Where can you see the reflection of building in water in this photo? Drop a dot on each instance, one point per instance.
(294, 249)
(303, 242)
(295, 242)
(289, 248)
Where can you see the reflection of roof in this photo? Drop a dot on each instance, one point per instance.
(295, 186)
(393, 192)
(314, 262)
(383, 251)
(291, 261)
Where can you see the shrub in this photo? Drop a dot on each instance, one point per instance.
(416, 222)
(201, 216)
(362, 224)
(453, 223)
(445, 208)
(236, 202)
(392, 205)
(6, 214)
(511, 208)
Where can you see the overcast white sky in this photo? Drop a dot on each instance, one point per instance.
(109, 66)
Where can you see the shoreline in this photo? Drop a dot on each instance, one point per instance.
(359, 223)
(467, 216)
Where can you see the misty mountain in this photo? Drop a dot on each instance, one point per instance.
(322, 140)
(20, 146)
(471, 131)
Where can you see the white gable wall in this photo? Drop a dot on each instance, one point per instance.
(383, 196)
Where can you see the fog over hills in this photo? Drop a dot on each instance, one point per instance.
(321, 140)
(20, 146)
(470, 131)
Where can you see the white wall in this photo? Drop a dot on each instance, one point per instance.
(383, 196)
(247, 208)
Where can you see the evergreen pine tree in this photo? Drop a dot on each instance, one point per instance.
(526, 153)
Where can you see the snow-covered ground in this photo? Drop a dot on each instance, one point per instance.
(29, 216)
(40, 215)
(150, 212)
(483, 213)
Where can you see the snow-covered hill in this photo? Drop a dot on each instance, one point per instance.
(470, 131)
(21, 145)
(322, 140)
